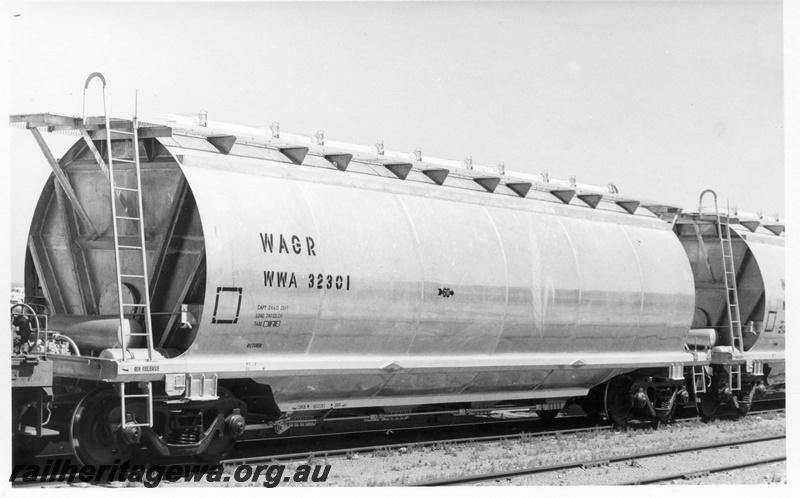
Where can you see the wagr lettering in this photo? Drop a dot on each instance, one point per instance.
(272, 243)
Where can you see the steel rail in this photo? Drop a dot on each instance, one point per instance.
(588, 463)
(704, 472)
(488, 422)
(451, 441)
(369, 449)
(465, 480)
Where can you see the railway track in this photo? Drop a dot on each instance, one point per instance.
(301, 446)
(495, 476)
(522, 428)
(252, 452)
(704, 472)
(416, 441)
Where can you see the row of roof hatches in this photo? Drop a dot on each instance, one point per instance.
(221, 137)
(198, 133)
(200, 123)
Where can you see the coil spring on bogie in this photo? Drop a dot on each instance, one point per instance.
(185, 435)
(664, 398)
(185, 428)
(748, 395)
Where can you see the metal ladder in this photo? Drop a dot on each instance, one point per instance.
(137, 217)
(735, 377)
(729, 272)
(698, 379)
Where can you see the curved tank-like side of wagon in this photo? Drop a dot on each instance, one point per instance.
(429, 281)
(338, 285)
(758, 261)
(766, 339)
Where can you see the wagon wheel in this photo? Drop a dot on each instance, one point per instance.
(618, 401)
(95, 429)
(222, 444)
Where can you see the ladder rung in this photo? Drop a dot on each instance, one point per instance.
(120, 160)
(131, 276)
(126, 189)
(130, 247)
(137, 396)
(132, 218)
(135, 334)
(129, 424)
(132, 304)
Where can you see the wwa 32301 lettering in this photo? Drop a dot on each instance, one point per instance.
(288, 279)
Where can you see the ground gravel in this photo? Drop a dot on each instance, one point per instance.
(410, 465)
(414, 464)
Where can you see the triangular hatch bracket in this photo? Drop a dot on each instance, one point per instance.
(776, 229)
(629, 206)
(223, 143)
(340, 161)
(750, 225)
(438, 175)
(400, 170)
(392, 367)
(591, 199)
(661, 209)
(295, 154)
(488, 182)
(564, 195)
(519, 188)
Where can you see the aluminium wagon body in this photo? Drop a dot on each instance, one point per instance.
(357, 288)
(290, 277)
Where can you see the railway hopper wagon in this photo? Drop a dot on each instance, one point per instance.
(737, 261)
(200, 280)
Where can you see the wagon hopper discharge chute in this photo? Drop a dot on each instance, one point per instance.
(292, 278)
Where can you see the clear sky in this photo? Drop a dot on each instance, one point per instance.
(664, 99)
